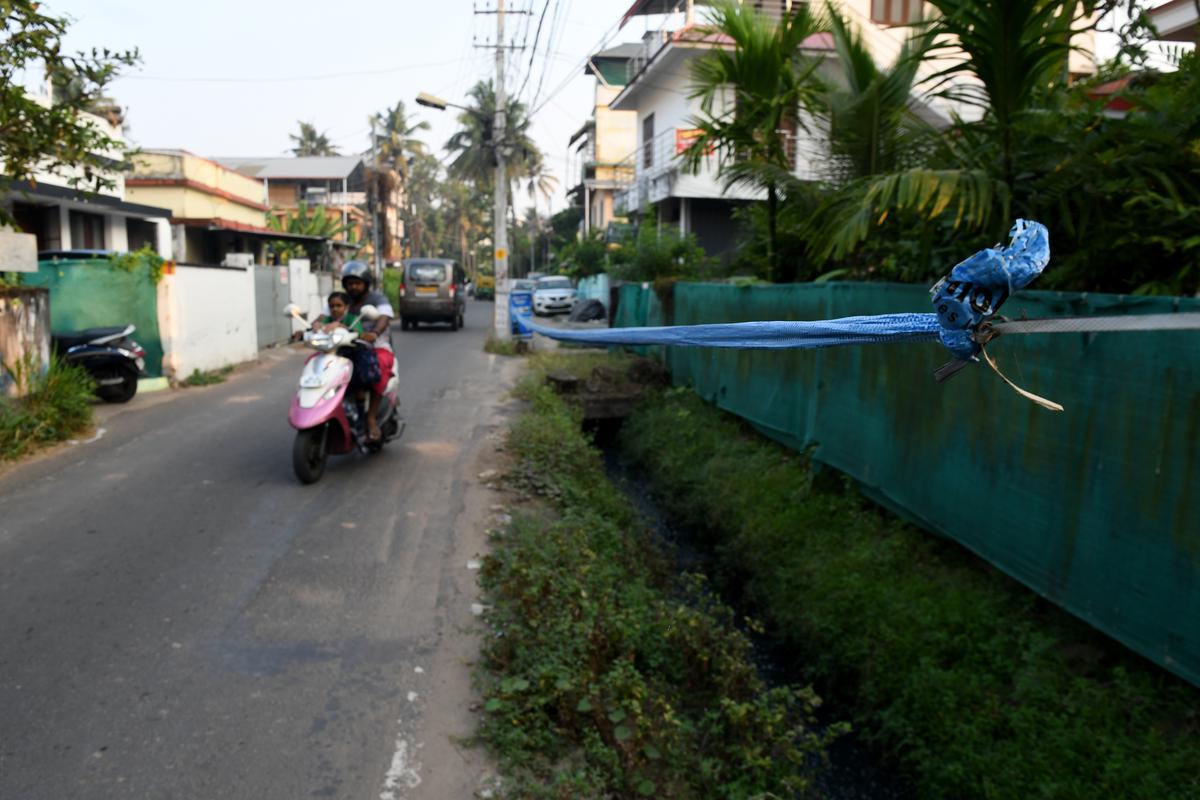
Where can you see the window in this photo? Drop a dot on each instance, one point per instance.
(895, 12)
(41, 221)
(431, 273)
(648, 141)
(141, 233)
(87, 231)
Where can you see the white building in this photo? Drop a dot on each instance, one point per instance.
(67, 220)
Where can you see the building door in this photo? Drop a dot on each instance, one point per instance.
(87, 231)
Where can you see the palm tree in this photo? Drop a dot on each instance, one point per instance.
(770, 81)
(872, 128)
(395, 138)
(310, 142)
(473, 145)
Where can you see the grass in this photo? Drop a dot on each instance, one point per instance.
(58, 406)
(505, 347)
(972, 684)
(206, 378)
(604, 675)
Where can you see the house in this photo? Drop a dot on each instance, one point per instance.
(344, 186)
(65, 219)
(217, 215)
(600, 149)
(336, 183)
(1175, 20)
(658, 84)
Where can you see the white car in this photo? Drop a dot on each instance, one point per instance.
(553, 295)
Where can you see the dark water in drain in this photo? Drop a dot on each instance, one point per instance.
(852, 773)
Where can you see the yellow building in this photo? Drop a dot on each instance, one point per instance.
(602, 148)
(217, 214)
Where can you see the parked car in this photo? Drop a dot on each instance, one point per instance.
(432, 290)
(553, 294)
(522, 285)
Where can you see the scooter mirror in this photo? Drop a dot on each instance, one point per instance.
(369, 313)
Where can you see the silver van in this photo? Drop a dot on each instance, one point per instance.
(432, 290)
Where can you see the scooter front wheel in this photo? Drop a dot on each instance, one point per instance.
(309, 453)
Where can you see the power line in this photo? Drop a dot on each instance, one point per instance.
(292, 79)
(533, 53)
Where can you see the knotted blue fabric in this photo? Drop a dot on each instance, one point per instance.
(977, 287)
(968, 296)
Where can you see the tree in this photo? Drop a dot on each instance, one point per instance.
(751, 99)
(310, 142)
(473, 145)
(35, 137)
(396, 139)
(1008, 59)
(872, 128)
(316, 222)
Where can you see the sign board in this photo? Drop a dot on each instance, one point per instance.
(283, 275)
(18, 252)
(501, 254)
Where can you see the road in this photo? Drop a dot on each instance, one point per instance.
(182, 619)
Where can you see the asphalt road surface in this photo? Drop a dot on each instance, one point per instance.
(180, 618)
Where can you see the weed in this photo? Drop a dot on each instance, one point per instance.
(57, 405)
(505, 347)
(968, 680)
(604, 675)
(207, 378)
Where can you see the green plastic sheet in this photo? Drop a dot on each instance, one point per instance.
(94, 293)
(1096, 508)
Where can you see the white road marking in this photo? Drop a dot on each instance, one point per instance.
(412, 697)
(402, 774)
(99, 433)
(418, 670)
(473, 564)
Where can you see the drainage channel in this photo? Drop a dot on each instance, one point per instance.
(852, 772)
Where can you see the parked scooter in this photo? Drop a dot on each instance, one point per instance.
(328, 418)
(110, 356)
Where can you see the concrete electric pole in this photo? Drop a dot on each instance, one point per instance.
(502, 326)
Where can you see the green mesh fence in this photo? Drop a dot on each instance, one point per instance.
(1096, 508)
(93, 293)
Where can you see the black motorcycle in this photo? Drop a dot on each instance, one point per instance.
(110, 356)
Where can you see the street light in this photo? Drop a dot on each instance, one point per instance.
(500, 323)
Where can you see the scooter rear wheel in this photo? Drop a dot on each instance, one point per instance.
(121, 392)
(309, 453)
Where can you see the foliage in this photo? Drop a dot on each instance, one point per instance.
(473, 145)
(129, 262)
(207, 377)
(304, 221)
(36, 137)
(662, 253)
(58, 405)
(604, 677)
(311, 142)
(396, 139)
(504, 347)
(585, 256)
(752, 98)
(969, 681)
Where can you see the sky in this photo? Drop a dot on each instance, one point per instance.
(224, 78)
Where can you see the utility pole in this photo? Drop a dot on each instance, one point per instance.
(502, 328)
(377, 266)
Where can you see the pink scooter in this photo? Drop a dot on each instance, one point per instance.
(328, 419)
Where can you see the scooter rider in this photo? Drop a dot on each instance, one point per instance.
(357, 281)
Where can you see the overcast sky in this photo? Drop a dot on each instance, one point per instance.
(274, 58)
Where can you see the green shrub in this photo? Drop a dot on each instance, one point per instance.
(966, 679)
(57, 406)
(603, 675)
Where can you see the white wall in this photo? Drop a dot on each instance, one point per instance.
(206, 317)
